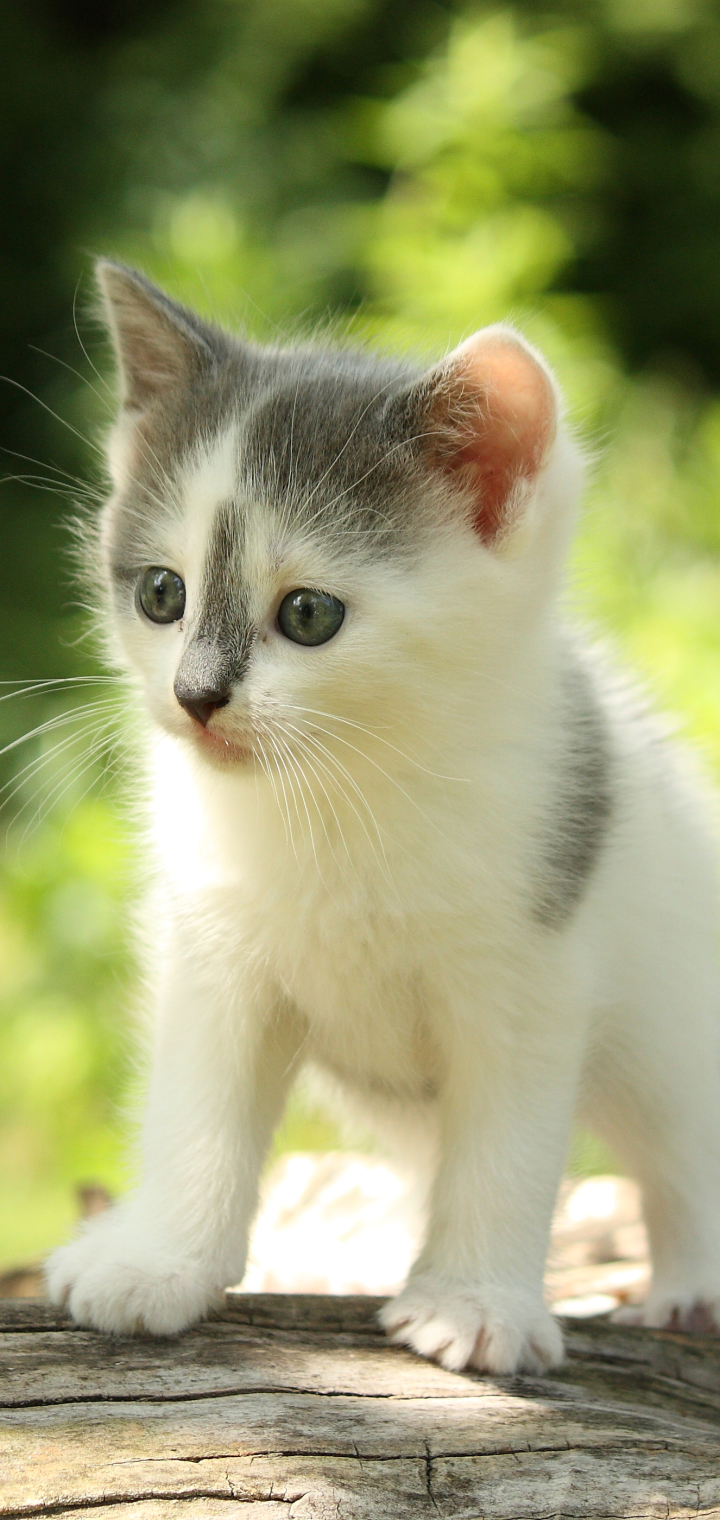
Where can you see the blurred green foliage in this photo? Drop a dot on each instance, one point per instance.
(63, 948)
(400, 172)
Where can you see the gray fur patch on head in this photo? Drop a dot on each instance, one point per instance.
(317, 442)
(582, 806)
(331, 439)
(321, 442)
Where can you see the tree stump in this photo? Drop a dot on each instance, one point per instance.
(296, 1405)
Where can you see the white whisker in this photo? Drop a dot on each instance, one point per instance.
(373, 733)
(269, 773)
(284, 768)
(89, 442)
(349, 439)
(307, 761)
(76, 372)
(340, 739)
(21, 778)
(312, 738)
(301, 789)
(54, 682)
(56, 722)
(84, 763)
(93, 367)
(87, 763)
(278, 773)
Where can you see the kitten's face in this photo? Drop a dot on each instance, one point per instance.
(288, 568)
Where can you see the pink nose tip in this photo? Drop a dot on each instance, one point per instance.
(202, 703)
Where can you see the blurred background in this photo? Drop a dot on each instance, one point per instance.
(400, 172)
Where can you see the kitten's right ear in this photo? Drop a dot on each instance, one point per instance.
(160, 345)
(485, 419)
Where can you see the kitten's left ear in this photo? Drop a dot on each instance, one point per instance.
(487, 417)
(160, 345)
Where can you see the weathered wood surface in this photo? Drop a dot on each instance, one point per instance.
(297, 1406)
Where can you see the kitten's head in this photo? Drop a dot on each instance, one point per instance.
(300, 539)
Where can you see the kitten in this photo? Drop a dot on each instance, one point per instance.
(404, 826)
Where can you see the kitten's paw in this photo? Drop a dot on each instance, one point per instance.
(693, 1313)
(116, 1278)
(499, 1330)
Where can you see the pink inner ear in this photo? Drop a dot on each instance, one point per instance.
(508, 423)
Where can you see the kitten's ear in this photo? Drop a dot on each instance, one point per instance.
(487, 416)
(160, 345)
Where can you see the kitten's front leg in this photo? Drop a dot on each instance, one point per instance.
(223, 1060)
(475, 1294)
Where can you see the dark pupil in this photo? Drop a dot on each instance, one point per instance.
(161, 595)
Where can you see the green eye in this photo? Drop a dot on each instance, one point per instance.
(160, 595)
(310, 617)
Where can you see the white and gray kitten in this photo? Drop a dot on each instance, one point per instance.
(404, 828)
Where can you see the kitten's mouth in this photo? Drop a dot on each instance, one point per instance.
(221, 748)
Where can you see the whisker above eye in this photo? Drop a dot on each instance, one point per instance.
(104, 402)
(93, 367)
(61, 488)
(377, 464)
(89, 442)
(376, 397)
(45, 465)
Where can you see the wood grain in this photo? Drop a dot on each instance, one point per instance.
(295, 1405)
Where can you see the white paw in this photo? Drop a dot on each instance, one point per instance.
(498, 1330)
(692, 1312)
(115, 1277)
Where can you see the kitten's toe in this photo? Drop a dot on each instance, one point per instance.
(691, 1312)
(58, 1276)
(112, 1279)
(495, 1330)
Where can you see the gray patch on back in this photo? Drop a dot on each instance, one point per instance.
(581, 811)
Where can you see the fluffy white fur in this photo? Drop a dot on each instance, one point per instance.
(358, 896)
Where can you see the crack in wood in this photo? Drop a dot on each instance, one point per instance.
(428, 1478)
(71, 1506)
(605, 1448)
(250, 1391)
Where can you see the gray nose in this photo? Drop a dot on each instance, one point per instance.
(201, 701)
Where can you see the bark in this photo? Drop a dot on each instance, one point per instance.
(292, 1405)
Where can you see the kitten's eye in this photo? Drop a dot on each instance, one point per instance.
(161, 595)
(310, 617)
